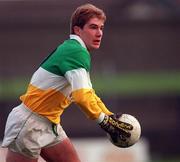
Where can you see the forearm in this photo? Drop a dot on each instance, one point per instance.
(89, 103)
(102, 106)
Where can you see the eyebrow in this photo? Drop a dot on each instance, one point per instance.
(96, 25)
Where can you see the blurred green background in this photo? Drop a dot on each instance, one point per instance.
(135, 71)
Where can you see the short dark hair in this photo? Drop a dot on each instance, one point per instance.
(83, 14)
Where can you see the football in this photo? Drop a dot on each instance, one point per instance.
(135, 132)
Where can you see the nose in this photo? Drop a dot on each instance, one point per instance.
(99, 32)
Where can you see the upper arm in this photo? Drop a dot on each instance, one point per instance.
(79, 79)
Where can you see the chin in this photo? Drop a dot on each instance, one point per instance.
(96, 46)
(93, 48)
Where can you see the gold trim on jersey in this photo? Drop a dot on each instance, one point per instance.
(50, 103)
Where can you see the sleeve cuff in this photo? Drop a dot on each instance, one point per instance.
(101, 117)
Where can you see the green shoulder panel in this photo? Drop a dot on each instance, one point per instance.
(68, 56)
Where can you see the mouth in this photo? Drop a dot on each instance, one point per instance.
(97, 41)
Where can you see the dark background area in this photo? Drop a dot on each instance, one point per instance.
(139, 36)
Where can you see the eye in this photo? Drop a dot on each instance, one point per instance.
(93, 26)
(102, 27)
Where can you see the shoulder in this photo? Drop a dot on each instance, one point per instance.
(71, 46)
(72, 50)
(67, 56)
(72, 55)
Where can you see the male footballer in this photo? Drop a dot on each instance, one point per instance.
(34, 128)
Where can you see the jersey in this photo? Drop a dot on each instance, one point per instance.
(63, 78)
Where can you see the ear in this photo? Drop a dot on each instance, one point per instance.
(77, 30)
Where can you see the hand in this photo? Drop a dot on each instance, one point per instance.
(114, 127)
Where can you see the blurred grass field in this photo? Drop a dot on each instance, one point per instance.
(139, 83)
(125, 84)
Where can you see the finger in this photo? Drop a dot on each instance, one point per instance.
(125, 125)
(122, 132)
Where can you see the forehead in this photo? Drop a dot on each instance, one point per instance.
(95, 21)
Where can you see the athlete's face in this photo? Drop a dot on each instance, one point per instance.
(91, 33)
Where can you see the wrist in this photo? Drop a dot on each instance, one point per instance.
(101, 117)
